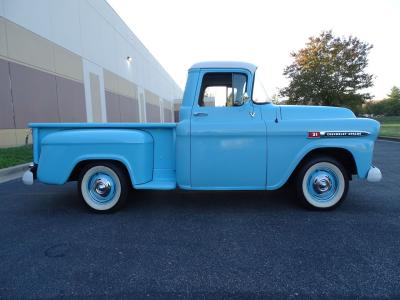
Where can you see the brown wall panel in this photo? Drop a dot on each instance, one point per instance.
(152, 113)
(113, 109)
(129, 109)
(34, 95)
(176, 116)
(71, 100)
(167, 115)
(176, 108)
(6, 106)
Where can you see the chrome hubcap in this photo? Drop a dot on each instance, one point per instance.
(321, 184)
(102, 187)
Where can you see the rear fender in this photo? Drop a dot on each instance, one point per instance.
(61, 151)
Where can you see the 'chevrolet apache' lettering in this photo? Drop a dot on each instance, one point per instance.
(229, 137)
(322, 134)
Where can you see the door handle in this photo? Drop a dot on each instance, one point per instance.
(200, 114)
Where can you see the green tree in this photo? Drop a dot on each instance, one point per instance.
(329, 71)
(389, 106)
(394, 94)
(392, 102)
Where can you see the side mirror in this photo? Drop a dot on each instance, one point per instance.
(241, 100)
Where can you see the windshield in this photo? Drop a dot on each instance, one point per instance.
(260, 94)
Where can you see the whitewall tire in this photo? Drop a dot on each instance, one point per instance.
(322, 183)
(103, 186)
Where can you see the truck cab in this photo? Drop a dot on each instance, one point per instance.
(229, 137)
(222, 136)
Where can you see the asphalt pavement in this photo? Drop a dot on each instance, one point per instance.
(182, 244)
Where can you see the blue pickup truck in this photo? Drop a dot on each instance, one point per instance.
(229, 137)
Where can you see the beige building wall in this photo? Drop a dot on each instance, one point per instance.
(37, 79)
(42, 81)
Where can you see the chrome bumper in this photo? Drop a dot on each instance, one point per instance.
(30, 175)
(374, 174)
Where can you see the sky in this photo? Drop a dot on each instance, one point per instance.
(179, 33)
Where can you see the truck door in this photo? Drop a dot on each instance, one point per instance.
(228, 139)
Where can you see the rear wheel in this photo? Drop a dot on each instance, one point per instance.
(322, 183)
(103, 186)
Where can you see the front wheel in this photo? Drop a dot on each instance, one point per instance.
(103, 186)
(322, 183)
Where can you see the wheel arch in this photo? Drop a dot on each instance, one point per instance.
(342, 155)
(74, 176)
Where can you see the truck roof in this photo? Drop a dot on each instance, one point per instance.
(224, 65)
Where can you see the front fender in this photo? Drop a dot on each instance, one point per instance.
(361, 153)
(288, 145)
(61, 151)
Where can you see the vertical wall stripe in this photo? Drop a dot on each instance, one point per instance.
(95, 97)
(57, 99)
(11, 92)
(161, 109)
(89, 67)
(142, 100)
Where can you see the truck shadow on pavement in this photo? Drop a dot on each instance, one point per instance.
(281, 199)
(67, 198)
(62, 199)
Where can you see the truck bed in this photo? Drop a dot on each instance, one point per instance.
(162, 158)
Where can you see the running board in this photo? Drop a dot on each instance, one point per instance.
(162, 180)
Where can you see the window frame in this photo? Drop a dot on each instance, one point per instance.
(201, 88)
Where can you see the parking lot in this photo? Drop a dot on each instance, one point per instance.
(203, 244)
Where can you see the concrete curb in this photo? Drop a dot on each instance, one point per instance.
(386, 138)
(14, 172)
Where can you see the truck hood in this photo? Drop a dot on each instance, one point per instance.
(300, 112)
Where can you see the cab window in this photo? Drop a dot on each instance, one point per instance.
(222, 89)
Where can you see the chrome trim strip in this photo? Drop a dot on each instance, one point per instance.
(343, 133)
